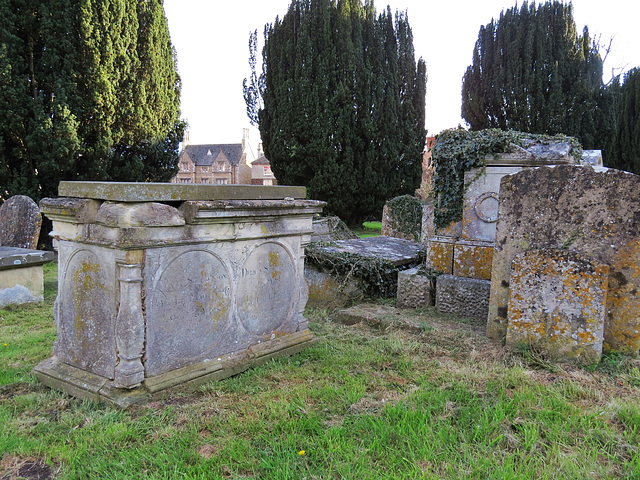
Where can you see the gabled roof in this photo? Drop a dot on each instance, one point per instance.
(261, 161)
(205, 155)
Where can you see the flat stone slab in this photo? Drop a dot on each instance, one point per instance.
(176, 192)
(394, 250)
(12, 257)
(378, 316)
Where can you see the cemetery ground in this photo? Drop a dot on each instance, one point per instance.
(437, 401)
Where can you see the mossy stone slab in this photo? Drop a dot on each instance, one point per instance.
(175, 192)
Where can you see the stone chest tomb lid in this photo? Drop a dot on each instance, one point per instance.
(176, 192)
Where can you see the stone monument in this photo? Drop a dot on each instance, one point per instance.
(163, 286)
(465, 249)
(590, 210)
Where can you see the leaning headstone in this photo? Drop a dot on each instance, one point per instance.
(20, 223)
(590, 210)
(557, 302)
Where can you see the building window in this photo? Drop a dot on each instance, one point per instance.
(205, 180)
(205, 169)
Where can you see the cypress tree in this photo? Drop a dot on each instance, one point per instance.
(89, 91)
(532, 72)
(342, 104)
(623, 151)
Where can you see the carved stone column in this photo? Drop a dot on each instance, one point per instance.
(129, 371)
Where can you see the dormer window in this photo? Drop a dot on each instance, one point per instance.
(209, 153)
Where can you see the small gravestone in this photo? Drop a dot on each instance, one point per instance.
(586, 209)
(557, 302)
(20, 222)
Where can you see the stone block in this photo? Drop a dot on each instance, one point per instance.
(414, 290)
(328, 291)
(440, 254)
(557, 302)
(21, 275)
(590, 210)
(465, 297)
(473, 259)
(480, 205)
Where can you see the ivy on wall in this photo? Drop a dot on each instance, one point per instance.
(458, 150)
(405, 216)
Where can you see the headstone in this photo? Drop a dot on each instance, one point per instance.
(557, 301)
(20, 222)
(589, 210)
(160, 288)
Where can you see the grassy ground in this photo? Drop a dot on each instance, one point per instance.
(361, 404)
(369, 229)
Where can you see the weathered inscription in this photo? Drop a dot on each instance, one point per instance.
(266, 289)
(188, 311)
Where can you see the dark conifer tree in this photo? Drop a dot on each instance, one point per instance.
(623, 151)
(88, 91)
(342, 107)
(532, 72)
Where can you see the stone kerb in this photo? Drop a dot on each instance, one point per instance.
(161, 294)
(557, 302)
(589, 210)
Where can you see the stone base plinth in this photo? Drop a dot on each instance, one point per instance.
(85, 385)
(465, 297)
(473, 259)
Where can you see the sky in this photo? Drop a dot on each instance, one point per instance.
(211, 40)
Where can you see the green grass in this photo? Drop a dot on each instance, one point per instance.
(369, 229)
(361, 404)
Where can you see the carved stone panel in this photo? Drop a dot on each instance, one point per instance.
(188, 309)
(267, 289)
(86, 311)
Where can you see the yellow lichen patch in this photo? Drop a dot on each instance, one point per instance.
(473, 261)
(440, 256)
(623, 301)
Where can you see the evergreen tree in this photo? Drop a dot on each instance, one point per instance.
(623, 152)
(88, 91)
(532, 72)
(342, 104)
